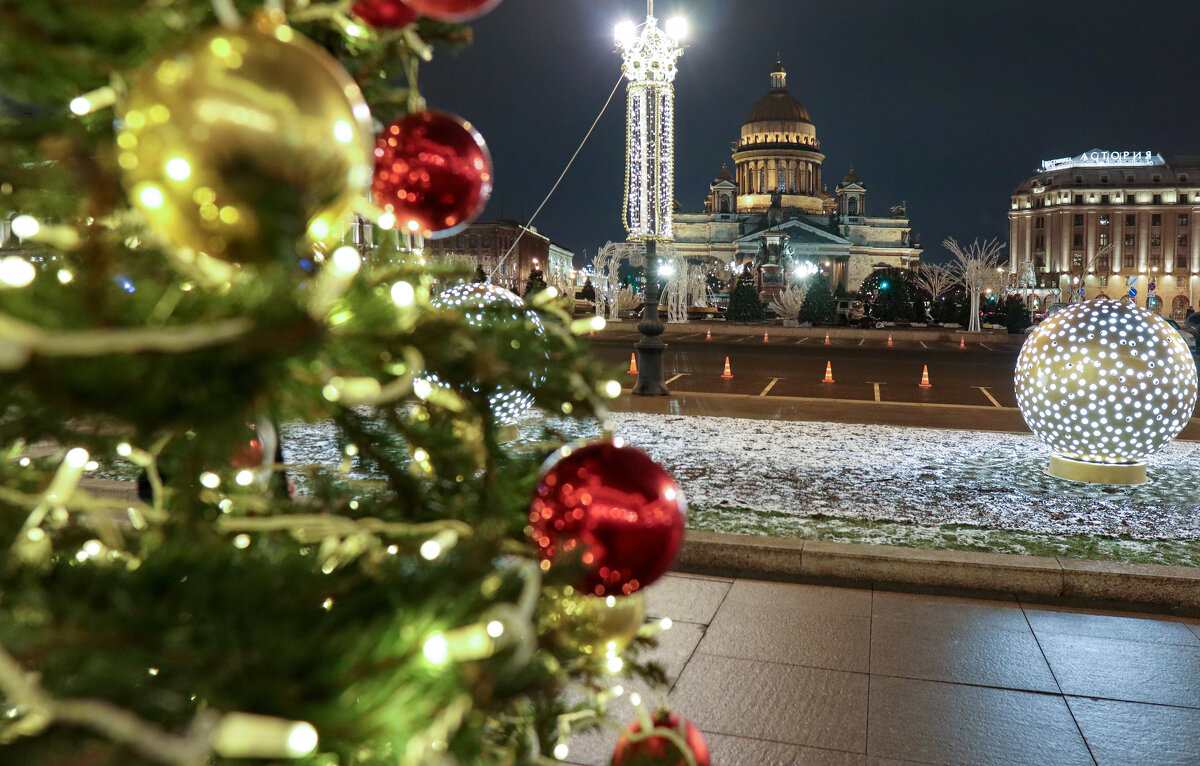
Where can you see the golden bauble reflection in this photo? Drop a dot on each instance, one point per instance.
(1105, 382)
(593, 625)
(240, 143)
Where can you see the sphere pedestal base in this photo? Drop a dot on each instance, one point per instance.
(1096, 473)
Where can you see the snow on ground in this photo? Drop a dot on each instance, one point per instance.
(880, 473)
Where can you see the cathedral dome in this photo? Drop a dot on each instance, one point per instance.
(778, 105)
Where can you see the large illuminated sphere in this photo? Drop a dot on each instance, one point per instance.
(1105, 384)
(481, 303)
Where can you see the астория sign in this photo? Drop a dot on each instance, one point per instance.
(1097, 157)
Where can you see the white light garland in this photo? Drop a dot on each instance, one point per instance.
(649, 65)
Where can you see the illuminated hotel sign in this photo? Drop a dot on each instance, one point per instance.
(1101, 158)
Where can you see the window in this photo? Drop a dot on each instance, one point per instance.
(1127, 259)
(1104, 199)
(1039, 243)
(1183, 198)
(1131, 220)
(1180, 262)
(1183, 219)
(1104, 263)
(1155, 240)
(1104, 220)
(781, 180)
(487, 241)
(1157, 199)
(1078, 179)
(1156, 219)
(1103, 179)
(1078, 199)
(1079, 219)
(1077, 240)
(1157, 178)
(1103, 239)
(1077, 259)
(1183, 178)
(1104, 280)
(1181, 240)
(724, 203)
(1128, 240)
(1039, 222)
(1156, 261)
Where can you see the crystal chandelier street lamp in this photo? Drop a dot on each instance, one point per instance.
(649, 56)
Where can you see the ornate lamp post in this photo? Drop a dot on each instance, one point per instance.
(649, 55)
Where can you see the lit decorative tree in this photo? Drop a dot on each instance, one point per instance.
(976, 268)
(744, 305)
(189, 182)
(818, 305)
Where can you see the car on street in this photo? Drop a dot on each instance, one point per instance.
(1188, 338)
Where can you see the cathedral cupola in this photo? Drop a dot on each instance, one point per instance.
(851, 198)
(778, 152)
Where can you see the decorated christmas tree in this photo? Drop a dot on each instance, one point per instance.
(744, 305)
(535, 283)
(188, 280)
(818, 303)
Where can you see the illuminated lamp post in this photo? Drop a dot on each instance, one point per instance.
(1105, 383)
(649, 56)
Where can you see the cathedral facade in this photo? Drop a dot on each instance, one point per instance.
(774, 211)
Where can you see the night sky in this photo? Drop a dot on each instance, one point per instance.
(947, 104)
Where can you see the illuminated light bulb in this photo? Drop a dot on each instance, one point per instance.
(178, 169)
(244, 478)
(598, 323)
(343, 131)
(666, 623)
(92, 547)
(387, 221)
(241, 542)
(635, 699)
(422, 388)
(430, 550)
(150, 196)
(625, 32)
(436, 650)
(420, 455)
(80, 106)
(210, 480)
(91, 465)
(302, 740)
(15, 271)
(403, 294)
(561, 751)
(77, 457)
(318, 229)
(612, 389)
(327, 604)
(676, 28)
(495, 629)
(64, 276)
(25, 226)
(346, 260)
(614, 665)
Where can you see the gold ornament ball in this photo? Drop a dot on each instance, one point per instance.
(591, 625)
(241, 143)
(1105, 383)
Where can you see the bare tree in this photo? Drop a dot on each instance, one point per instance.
(974, 268)
(935, 280)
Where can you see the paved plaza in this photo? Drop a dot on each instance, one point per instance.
(800, 675)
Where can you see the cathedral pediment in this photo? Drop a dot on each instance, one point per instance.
(798, 233)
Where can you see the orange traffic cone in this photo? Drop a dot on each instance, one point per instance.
(708, 334)
(828, 373)
(633, 364)
(890, 340)
(728, 372)
(925, 377)
(592, 334)
(765, 339)
(827, 338)
(962, 343)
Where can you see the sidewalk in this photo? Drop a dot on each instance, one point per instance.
(793, 675)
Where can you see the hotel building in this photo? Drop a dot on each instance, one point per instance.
(1106, 222)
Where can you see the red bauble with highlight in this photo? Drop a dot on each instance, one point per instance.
(453, 10)
(612, 507)
(384, 14)
(433, 172)
(659, 750)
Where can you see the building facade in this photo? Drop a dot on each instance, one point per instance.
(774, 210)
(486, 242)
(1106, 223)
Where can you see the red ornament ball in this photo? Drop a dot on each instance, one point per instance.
(659, 750)
(433, 172)
(384, 14)
(613, 507)
(453, 10)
